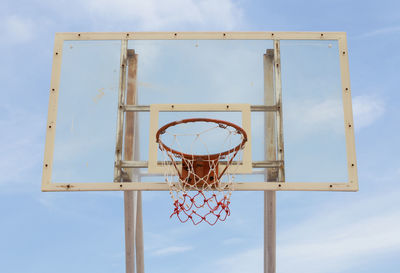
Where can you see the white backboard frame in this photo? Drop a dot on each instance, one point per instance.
(350, 185)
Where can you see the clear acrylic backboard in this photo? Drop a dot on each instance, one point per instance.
(212, 75)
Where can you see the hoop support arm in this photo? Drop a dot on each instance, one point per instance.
(255, 164)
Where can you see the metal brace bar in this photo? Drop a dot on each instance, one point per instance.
(256, 164)
(253, 108)
(120, 116)
(279, 118)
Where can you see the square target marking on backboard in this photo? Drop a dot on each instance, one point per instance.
(155, 109)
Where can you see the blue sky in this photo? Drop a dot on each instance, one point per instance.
(317, 232)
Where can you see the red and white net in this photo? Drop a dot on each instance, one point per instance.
(200, 179)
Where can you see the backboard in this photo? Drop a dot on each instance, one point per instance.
(290, 92)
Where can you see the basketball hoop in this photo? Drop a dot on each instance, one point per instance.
(209, 175)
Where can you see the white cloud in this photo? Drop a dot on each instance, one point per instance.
(154, 14)
(328, 114)
(367, 109)
(322, 112)
(45, 202)
(21, 150)
(171, 250)
(381, 31)
(335, 238)
(305, 118)
(340, 243)
(250, 260)
(233, 241)
(16, 29)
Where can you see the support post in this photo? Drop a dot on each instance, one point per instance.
(139, 235)
(270, 150)
(130, 220)
(132, 199)
(139, 214)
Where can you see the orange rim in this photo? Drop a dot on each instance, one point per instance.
(201, 157)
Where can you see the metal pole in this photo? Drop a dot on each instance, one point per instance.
(130, 197)
(139, 213)
(139, 235)
(271, 174)
(130, 219)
